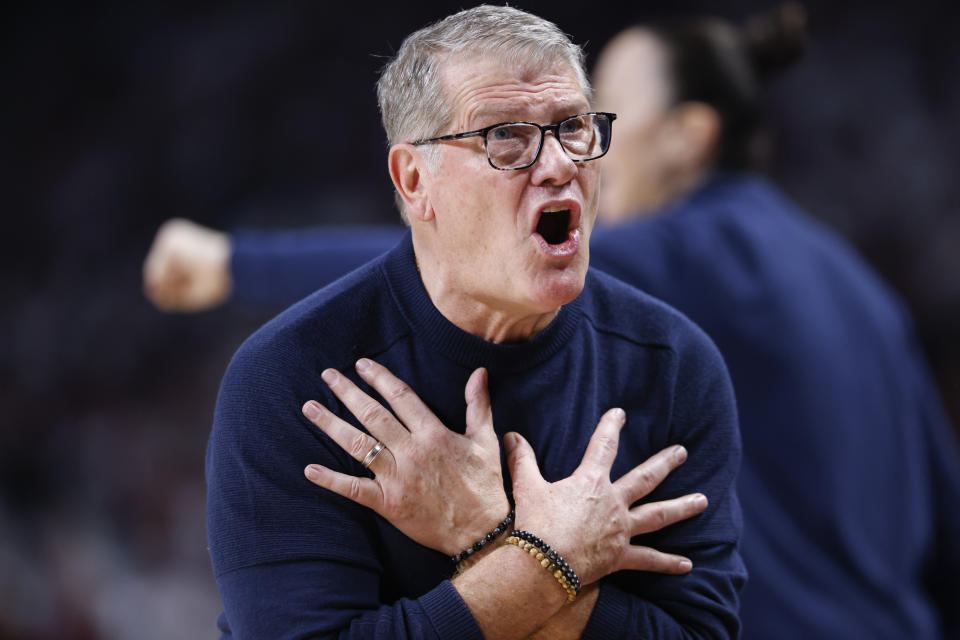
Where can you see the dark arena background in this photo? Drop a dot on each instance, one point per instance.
(116, 117)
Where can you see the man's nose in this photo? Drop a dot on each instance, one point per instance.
(553, 165)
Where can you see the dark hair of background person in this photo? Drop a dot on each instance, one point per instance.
(714, 62)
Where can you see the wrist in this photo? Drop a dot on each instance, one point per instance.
(463, 532)
(485, 542)
(548, 558)
(474, 558)
(509, 595)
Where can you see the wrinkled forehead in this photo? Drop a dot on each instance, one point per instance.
(486, 89)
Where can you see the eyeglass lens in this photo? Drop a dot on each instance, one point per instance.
(583, 137)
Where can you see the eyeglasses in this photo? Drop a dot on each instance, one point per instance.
(516, 145)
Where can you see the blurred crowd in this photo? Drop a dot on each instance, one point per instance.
(119, 117)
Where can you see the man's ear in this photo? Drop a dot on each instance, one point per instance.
(408, 171)
(697, 131)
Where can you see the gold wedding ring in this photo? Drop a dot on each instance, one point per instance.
(373, 453)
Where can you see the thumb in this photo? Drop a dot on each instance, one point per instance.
(522, 463)
(479, 414)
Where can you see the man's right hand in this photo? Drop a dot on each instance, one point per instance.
(587, 518)
(188, 267)
(589, 521)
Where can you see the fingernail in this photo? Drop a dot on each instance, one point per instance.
(312, 472)
(330, 376)
(362, 365)
(510, 442)
(685, 565)
(619, 414)
(311, 410)
(680, 453)
(700, 501)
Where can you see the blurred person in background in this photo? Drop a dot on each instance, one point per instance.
(851, 477)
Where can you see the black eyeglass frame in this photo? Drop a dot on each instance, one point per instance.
(544, 128)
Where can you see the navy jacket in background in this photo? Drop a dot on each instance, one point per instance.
(851, 480)
(850, 483)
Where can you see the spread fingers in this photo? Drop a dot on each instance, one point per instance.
(372, 415)
(402, 399)
(647, 559)
(646, 476)
(363, 491)
(358, 444)
(654, 516)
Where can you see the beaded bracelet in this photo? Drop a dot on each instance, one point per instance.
(549, 560)
(479, 544)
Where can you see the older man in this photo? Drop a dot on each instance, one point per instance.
(493, 138)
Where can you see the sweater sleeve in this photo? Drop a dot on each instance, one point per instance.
(290, 559)
(259, 603)
(276, 268)
(705, 602)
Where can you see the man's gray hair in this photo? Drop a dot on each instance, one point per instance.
(413, 101)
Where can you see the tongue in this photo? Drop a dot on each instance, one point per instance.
(553, 226)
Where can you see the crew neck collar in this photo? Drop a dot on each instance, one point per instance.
(458, 345)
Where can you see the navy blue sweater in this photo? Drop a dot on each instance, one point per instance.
(293, 560)
(851, 481)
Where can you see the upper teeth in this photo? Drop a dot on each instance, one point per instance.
(554, 209)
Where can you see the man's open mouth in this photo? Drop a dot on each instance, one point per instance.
(554, 225)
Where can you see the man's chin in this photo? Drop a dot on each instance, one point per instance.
(561, 286)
